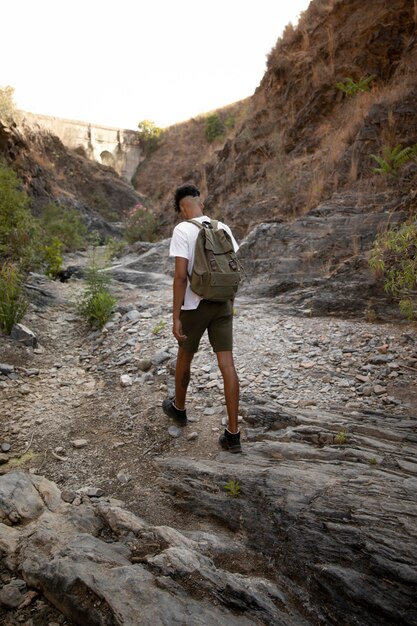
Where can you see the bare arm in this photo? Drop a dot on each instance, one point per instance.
(180, 285)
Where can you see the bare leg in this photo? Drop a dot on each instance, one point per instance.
(182, 377)
(231, 388)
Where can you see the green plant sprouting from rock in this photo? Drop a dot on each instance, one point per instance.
(159, 327)
(341, 438)
(351, 87)
(233, 488)
(393, 158)
(395, 255)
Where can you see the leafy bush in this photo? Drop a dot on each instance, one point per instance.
(351, 88)
(19, 231)
(52, 257)
(97, 304)
(395, 254)
(141, 224)
(149, 135)
(392, 159)
(13, 304)
(65, 224)
(213, 127)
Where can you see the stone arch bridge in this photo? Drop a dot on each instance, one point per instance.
(118, 148)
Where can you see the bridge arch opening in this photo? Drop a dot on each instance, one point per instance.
(107, 158)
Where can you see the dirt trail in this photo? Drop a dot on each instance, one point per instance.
(70, 388)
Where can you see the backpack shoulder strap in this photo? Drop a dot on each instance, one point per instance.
(215, 224)
(196, 223)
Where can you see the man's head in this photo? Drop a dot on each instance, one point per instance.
(185, 191)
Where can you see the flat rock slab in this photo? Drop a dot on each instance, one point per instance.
(155, 572)
(335, 514)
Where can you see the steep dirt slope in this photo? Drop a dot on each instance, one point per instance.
(300, 139)
(182, 155)
(51, 172)
(305, 139)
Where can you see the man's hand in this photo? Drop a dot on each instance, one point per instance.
(177, 330)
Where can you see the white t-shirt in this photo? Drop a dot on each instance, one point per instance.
(183, 243)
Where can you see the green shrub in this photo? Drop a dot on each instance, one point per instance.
(341, 438)
(52, 257)
(392, 159)
(65, 224)
(213, 127)
(19, 230)
(351, 88)
(150, 136)
(141, 225)
(233, 488)
(13, 304)
(395, 255)
(97, 304)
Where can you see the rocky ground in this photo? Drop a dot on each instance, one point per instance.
(83, 409)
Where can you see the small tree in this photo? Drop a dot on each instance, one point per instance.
(149, 135)
(7, 105)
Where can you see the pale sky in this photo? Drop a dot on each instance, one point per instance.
(121, 61)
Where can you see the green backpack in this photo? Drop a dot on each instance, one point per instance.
(216, 272)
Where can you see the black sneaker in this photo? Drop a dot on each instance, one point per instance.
(180, 417)
(230, 441)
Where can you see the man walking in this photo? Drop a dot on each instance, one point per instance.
(192, 316)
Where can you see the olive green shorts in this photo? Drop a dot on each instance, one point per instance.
(216, 318)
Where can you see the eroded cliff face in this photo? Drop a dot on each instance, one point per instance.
(299, 139)
(51, 172)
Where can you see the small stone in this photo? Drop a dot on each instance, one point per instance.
(11, 596)
(133, 316)
(144, 365)
(6, 369)
(367, 391)
(24, 335)
(123, 477)
(192, 436)
(174, 431)
(126, 380)
(362, 379)
(5, 447)
(209, 411)
(91, 492)
(307, 364)
(79, 443)
(160, 357)
(378, 390)
(68, 496)
(215, 429)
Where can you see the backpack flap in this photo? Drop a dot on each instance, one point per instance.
(216, 270)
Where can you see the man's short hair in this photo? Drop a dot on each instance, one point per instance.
(182, 192)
